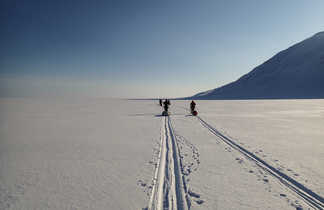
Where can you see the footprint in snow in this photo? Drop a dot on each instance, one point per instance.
(193, 194)
(266, 180)
(239, 160)
(297, 205)
(141, 183)
(199, 202)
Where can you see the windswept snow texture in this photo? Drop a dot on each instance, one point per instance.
(295, 73)
(76, 154)
(286, 135)
(122, 154)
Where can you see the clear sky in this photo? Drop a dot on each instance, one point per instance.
(140, 48)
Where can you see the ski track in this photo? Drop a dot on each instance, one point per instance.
(169, 187)
(310, 197)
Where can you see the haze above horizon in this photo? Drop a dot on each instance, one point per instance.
(138, 49)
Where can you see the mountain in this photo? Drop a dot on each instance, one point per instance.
(294, 73)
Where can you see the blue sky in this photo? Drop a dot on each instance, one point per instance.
(143, 48)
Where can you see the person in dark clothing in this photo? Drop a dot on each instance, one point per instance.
(192, 106)
(166, 105)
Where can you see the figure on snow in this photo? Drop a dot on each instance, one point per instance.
(166, 105)
(192, 106)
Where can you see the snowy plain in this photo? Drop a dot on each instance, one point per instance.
(106, 154)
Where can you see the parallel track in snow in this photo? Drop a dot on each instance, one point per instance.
(309, 196)
(169, 188)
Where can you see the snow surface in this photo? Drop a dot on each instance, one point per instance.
(115, 154)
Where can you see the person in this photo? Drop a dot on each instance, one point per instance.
(160, 102)
(192, 106)
(166, 105)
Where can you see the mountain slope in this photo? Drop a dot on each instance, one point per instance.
(297, 72)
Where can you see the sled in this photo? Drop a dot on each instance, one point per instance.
(165, 113)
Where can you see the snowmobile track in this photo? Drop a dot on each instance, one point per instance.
(169, 188)
(312, 198)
